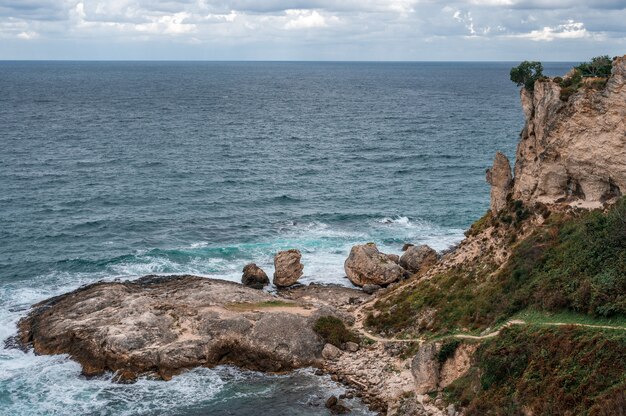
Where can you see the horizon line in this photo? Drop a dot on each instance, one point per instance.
(273, 60)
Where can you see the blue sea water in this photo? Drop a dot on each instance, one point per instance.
(119, 169)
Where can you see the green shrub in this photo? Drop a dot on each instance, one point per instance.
(333, 331)
(571, 84)
(447, 350)
(479, 226)
(598, 84)
(600, 66)
(527, 73)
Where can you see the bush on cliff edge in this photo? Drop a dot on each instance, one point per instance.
(527, 73)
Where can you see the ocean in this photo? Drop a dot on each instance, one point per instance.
(114, 170)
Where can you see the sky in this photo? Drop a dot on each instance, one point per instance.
(370, 30)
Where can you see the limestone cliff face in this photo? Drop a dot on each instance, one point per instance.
(573, 151)
(500, 178)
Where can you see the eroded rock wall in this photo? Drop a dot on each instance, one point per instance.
(573, 151)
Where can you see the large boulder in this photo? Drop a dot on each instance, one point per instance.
(366, 265)
(330, 352)
(287, 267)
(418, 258)
(425, 368)
(254, 277)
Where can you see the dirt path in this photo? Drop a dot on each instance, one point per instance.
(360, 318)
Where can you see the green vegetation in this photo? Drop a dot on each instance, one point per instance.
(569, 317)
(527, 73)
(333, 331)
(577, 264)
(600, 66)
(447, 350)
(574, 262)
(547, 371)
(480, 225)
(571, 84)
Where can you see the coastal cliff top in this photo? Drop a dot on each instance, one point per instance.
(573, 146)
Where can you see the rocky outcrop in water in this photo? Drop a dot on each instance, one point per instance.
(366, 265)
(254, 277)
(418, 258)
(573, 151)
(287, 268)
(160, 326)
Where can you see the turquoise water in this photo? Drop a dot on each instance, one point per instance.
(119, 169)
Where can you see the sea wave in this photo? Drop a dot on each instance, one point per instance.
(397, 220)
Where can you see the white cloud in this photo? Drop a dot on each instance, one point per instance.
(466, 19)
(305, 19)
(331, 29)
(230, 17)
(28, 35)
(169, 25)
(568, 30)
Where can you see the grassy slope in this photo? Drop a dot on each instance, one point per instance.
(573, 264)
(570, 270)
(553, 371)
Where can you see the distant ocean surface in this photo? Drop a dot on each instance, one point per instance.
(120, 169)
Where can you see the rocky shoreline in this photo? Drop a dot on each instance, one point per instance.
(160, 326)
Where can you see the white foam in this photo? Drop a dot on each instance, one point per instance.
(397, 220)
(44, 385)
(37, 385)
(199, 244)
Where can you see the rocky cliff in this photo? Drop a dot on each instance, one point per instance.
(573, 149)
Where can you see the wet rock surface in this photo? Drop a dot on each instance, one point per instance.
(163, 325)
(254, 277)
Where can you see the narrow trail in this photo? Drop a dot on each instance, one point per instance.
(360, 318)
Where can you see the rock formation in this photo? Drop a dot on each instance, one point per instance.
(501, 181)
(162, 325)
(425, 368)
(431, 374)
(573, 151)
(366, 265)
(254, 277)
(287, 268)
(393, 257)
(418, 258)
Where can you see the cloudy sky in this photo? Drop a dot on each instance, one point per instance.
(569, 30)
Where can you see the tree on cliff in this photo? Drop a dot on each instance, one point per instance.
(527, 73)
(600, 66)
